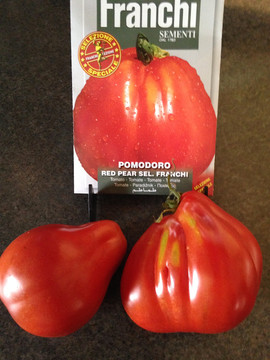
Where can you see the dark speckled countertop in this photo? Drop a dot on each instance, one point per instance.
(37, 177)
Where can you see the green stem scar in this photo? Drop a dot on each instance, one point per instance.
(171, 203)
(146, 51)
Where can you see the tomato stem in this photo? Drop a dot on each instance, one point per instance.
(146, 51)
(172, 201)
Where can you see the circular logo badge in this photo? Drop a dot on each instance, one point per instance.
(99, 54)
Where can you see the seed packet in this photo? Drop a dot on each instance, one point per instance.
(145, 82)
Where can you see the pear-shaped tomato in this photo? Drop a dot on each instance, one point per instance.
(145, 113)
(198, 270)
(53, 278)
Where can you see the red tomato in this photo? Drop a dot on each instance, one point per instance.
(53, 278)
(152, 113)
(198, 270)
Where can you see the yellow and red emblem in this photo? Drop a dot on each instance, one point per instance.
(99, 54)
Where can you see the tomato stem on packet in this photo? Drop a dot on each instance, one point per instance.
(146, 51)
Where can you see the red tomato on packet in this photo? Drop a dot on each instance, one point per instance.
(197, 270)
(53, 278)
(145, 113)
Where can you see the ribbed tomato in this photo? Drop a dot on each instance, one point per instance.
(198, 270)
(154, 113)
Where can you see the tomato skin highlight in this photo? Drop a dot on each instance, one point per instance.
(156, 113)
(53, 278)
(198, 270)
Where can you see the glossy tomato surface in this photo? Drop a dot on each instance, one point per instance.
(155, 113)
(198, 270)
(53, 278)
